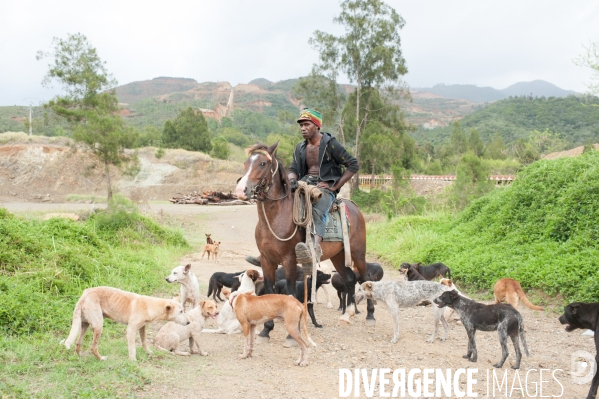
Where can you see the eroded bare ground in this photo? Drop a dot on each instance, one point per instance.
(271, 373)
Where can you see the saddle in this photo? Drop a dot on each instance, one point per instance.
(334, 229)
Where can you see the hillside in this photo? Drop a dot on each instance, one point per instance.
(135, 91)
(576, 119)
(50, 169)
(536, 88)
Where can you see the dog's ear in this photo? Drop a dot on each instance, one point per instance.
(449, 282)
(187, 268)
(208, 235)
(574, 308)
(169, 308)
(453, 294)
(368, 286)
(202, 303)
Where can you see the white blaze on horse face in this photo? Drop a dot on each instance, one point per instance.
(240, 189)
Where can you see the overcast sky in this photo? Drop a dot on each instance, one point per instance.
(486, 43)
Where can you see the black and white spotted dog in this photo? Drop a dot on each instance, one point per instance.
(502, 318)
(404, 294)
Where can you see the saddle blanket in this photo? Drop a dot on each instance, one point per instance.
(333, 230)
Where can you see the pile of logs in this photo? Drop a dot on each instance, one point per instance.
(208, 198)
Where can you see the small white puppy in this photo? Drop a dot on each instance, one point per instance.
(190, 287)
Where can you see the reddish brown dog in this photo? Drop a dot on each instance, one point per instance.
(510, 290)
(253, 310)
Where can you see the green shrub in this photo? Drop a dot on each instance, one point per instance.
(542, 231)
(45, 265)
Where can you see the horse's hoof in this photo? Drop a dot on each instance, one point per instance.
(261, 340)
(289, 343)
(370, 322)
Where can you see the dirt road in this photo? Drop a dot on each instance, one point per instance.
(271, 373)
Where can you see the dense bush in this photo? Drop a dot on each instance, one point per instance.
(45, 265)
(543, 231)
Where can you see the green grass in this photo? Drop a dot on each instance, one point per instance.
(543, 231)
(44, 267)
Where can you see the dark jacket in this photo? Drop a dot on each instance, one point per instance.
(332, 156)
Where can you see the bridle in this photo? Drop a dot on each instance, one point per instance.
(260, 191)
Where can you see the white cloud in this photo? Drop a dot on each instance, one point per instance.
(468, 42)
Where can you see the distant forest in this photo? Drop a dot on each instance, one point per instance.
(574, 118)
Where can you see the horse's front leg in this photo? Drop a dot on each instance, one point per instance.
(268, 270)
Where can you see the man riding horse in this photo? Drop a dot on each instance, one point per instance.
(317, 161)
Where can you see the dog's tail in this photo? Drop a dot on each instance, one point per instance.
(75, 326)
(304, 316)
(210, 288)
(525, 300)
(522, 334)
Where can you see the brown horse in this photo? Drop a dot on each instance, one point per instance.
(276, 234)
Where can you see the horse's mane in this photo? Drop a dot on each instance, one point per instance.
(263, 148)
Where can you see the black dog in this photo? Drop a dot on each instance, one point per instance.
(585, 316)
(280, 274)
(431, 271)
(374, 272)
(321, 278)
(219, 280)
(411, 272)
(477, 316)
(338, 283)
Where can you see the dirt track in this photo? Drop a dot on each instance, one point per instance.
(271, 373)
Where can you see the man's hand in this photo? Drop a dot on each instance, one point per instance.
(324, 184)
(293, 185)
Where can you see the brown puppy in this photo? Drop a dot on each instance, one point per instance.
(208, 239)
(510, 290)
(211, 249)
(123, 307)
(253, 310)
(171, 334)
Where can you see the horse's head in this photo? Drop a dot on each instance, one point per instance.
(260, 170)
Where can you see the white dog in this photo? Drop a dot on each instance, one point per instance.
(227, 320)
(171, 334)
(190, 288)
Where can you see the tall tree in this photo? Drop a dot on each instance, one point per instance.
(369, 53)
(322, 93)
(89, 102)
(590, 59)
(475, 144)
(458, 139)
(188, 130)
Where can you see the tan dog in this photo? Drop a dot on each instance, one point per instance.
(123, 307)
(252, 310)
(510, 290)
(211, 249)
(171, 334)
